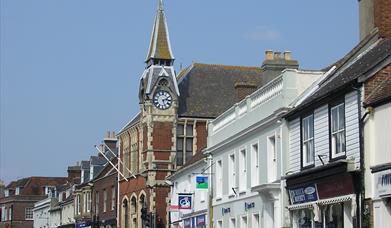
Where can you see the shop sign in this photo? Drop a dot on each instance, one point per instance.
(335, 186)
(225, 210)
(187, 223)
(304, 194)
(202, 182)
(383, 183)
(83, 225)
(200, 221)
(248, 206)
(184, 201)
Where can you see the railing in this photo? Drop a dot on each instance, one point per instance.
(261, 96)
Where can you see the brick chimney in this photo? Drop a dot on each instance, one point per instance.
(375, 13)
(74, 173)
(243, 89)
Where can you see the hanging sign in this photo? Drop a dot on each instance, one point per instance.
(184, 201)
(202, 182)
(304, 194)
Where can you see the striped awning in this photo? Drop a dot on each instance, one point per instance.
(329, 201)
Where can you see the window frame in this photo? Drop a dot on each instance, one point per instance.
(185, 137)
(242, 169)
(255, 164)
(304, 164)
(104, 200)
(232, 173)
(219, 179)
(341, 155)
(26, 210)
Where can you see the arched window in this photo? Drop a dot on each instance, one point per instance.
(125, 208)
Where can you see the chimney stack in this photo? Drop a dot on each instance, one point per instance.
(268, 55)
(375, 14)
(278, 61)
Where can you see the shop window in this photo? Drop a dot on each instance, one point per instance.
(307, 143)
(184, 143)
(337, 130)
(334, 216)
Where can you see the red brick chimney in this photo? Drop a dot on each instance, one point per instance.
(244, 89)
(382, 18)
(375, 13)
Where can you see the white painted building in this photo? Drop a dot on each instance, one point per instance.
(191, 180)
(248, 144)
(41, 214)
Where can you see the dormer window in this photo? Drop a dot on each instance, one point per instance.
(17, 191)
(337, 130)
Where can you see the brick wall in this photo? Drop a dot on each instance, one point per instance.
(382, 17)
(100, 185)
(375, 80)
(202, 135)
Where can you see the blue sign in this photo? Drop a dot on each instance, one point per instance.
(225, 210)
(304, 194)
(184, 201)
(248, 206)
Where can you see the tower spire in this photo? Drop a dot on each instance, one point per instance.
(159, 52)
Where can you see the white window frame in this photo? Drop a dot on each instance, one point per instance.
(28, 213)
(271, 160)
(232, 222)
(339, 132)
(253, 220)
(310, 141)
(88, 201)
(78, 204)
(219, 179)
(231, 173)
(255, 164)
(242, 219)
(242, 169)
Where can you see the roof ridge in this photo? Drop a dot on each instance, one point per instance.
(225, 65)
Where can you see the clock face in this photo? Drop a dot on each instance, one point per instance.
(162, 99)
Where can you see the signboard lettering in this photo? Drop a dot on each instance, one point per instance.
(383, 183)
(225, 210)
(248, 206)
(304, 194)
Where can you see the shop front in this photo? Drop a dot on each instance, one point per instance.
(194, 221)
(382, 197)
(325, 198)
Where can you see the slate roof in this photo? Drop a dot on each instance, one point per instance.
(207, 90)
(348, 74)
(18, 183)
(380, 94)
(159, 47)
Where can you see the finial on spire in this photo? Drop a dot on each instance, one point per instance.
(161, 5)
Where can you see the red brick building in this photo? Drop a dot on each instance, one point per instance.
(20, 196)
(171, 125)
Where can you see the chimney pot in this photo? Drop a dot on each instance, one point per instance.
(108, 134)
(287, 55)
(269, 54)
(277, 55)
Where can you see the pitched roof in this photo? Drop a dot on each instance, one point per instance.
(380, 94)
(160, 47)
(207, 90)
(18, 183)
(348, 74)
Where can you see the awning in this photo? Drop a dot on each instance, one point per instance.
(329, 201)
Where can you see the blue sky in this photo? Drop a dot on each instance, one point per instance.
(70, 68)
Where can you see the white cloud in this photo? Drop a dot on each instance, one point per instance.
(262, 34)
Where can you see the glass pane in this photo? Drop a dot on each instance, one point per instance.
(179, 129)
(341, 117)
(189, 155)
(189, 130)
(305, 129)
(311, 126)
(334, 216)
(189, 145)
(179, 158)
(334, 120)
(310, 151)
(342, 141)
(179, 144)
